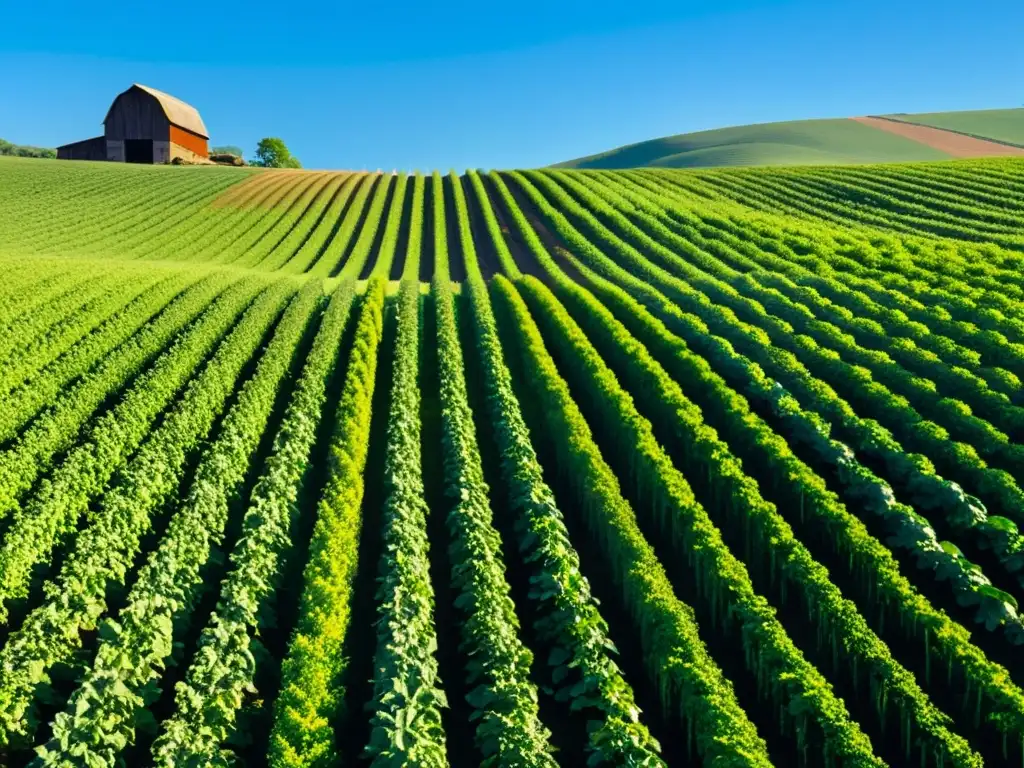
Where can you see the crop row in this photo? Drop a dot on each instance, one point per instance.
(659, 467)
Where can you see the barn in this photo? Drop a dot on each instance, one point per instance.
(145, 125)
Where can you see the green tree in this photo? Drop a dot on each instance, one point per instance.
(18, 150)
(272, 153)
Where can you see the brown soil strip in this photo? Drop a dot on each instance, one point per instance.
(240, 195)
(253, 191)
(953, 144)
(266, 196)
(962, 133)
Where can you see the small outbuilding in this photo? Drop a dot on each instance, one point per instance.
(145, 125)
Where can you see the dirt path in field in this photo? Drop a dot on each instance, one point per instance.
(954, 144)
(486, 253)
(521, 254)
(554, 245)
(402, 246)
(453, 240)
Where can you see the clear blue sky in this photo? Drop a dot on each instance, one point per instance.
(501, 84)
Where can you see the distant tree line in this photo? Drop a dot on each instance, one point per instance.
(20, 150)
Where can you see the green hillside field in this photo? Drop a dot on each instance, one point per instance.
(805, 142)
(1005, 125)
(798, 142)
(651, 468)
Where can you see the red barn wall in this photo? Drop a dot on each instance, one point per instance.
(189, 141)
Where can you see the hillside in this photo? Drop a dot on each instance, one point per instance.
(540, 468)
(1006, 125)
(803, 142)
(799, 142)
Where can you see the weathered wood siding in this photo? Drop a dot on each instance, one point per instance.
(89, 149)
(115, 150)
(190, 141)
(137, 115)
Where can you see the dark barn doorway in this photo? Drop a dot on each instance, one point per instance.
(138, 151)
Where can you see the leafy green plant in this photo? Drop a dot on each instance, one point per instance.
(107, 544)
(405, 712)
(310, 697)
(674, 651)
(101, 715)
(220, 676)
(504, 699)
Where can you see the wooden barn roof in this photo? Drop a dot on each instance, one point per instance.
(178, 112)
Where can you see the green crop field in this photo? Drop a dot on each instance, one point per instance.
(552, 467)
(1006, 125)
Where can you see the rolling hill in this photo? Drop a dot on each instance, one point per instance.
(1004, 125)
(805, 142)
